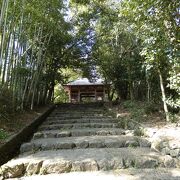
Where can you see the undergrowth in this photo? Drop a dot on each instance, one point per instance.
(3, 134)
(140, 111)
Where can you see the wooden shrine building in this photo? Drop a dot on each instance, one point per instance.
(83, 90)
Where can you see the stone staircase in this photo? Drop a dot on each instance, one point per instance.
(83, 138)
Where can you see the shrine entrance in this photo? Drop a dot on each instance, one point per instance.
(82, 90)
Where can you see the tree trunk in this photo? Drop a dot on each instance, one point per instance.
(130, 82)
(163, 96)
(148, 89)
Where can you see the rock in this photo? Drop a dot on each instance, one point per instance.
(77, 166)
(129, 132)
(128, 163)
(49, 167)
(113, 143)
(85, 165)
(165, 144)
(120, 164)
(146, 163)
(26, 147)
(166, 151)
(175, 152)
(144, 143)
(156, 144)
(49, 135)
(168, 161)
(174, 144)
(34, 167)
(83, 144)
(65, 145)
(177, 162)
(131, 125)
(90, 165)
(131, 143)
(105, 165)
(97, 144)
(63, 134)
(102, 132)
(38, 135)
(150, 132)
(12, 171)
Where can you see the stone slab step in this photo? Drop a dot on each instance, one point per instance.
(121, 174)
(80, 112)
(84, 142)
(70, 121)
(78, 125)
(79, 117)
(79, 132)
(61, 161)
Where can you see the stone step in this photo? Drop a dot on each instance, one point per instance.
(121, 174)
(79, 117)
(71, 121)
(90, 110)
(84, 142)
(61, 161)
(79, 132)
(78, 125)
(79, 111)
(77, 114)
(80, 108)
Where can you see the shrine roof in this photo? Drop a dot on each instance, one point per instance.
(85, 81)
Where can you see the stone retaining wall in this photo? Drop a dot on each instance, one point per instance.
(12, 146)
(165, 139)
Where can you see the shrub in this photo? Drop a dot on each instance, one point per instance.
(129, 104)
(150, 108)
(6, 103)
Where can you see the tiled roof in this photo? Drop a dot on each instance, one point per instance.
(85, 81)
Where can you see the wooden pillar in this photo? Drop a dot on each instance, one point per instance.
(103, 98)
(79, 95)
(95, 94)
(70, 100)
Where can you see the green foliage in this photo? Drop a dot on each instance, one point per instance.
(6, 103)
(150, 108)
(129, 104)
(3, 134)
(60, 95)
(140, 110)
(174, 85)
(174, 118)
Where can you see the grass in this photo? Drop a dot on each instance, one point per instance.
(3, 134)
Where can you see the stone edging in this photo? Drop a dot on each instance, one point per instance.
(11, 147)
(161, 144)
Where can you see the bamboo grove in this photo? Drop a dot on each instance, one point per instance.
(33, 35)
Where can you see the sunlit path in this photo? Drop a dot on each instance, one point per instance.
(76, 138)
